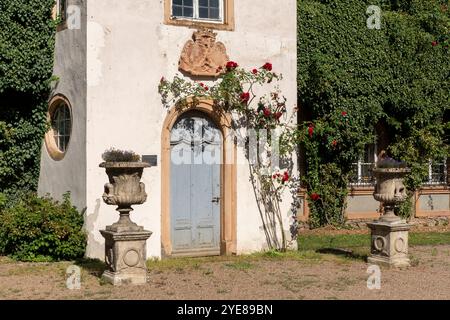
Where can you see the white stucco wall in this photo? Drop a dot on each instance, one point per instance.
(128, 50)
(69, 174)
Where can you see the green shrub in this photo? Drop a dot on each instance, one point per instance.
(41, 229)
(3, 200)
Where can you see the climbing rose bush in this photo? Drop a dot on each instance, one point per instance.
(235, 92)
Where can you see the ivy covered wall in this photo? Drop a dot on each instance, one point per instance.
(27, 33)
(354, 81)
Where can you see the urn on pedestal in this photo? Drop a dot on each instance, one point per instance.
(125, 241)
(389, 235)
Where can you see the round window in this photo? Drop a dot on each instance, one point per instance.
(60, 118)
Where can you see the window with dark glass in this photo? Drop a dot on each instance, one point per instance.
(362, 172)
(211, 10)
(437, 173)
(62, 126)
(62, 9)
(183, 8)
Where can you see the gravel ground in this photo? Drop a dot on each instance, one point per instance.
(307, 275)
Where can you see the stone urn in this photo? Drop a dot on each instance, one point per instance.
(125, 241)
(390, 190)
(389, 234)
(124, 190)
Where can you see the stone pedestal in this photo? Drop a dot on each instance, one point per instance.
(389, 243)
(125, 254)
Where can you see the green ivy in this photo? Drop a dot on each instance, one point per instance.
(398, 75)
(27, 33)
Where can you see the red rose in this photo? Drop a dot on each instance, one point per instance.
(434, 43)
(278, 115)
(201, 84)
(334, 143)
(267, 112)
(267, 66)
(344, 113)
(285, 176)
(245, 97)
(254, 71)
(310, 130)
(231, 65)
(314, 196)
(206, 88)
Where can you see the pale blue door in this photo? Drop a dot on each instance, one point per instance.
(196, 155)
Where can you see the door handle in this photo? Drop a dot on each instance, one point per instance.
(216, 199)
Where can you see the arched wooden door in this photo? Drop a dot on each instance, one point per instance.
(195, 185)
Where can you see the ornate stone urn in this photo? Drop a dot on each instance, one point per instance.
(390, 190)
(389, 235)
(125, 241)
(124, 190)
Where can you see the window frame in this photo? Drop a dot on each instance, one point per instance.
(52, 147)
(60, 117)
(57, 12)
(226, 23)
(359, 166)
(196, 13)
(430, 182)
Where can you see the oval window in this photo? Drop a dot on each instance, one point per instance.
(60, 118)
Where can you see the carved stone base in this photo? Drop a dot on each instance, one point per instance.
(118, 278)
(389, 243)
(125, 255)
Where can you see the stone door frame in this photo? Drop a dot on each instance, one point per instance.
(228, 215)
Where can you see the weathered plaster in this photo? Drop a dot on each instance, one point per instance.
(129, 49)
(69, 174)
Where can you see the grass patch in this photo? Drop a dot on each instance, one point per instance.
(288, 255)
(93, 267)
(240, 265)
(177, 264)
(316, 242)
(222, 291)
(6, 260)
(429, 238)
(312, 249)
(242, 262)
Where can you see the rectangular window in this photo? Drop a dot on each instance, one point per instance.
(437, 173)
(211, 11)
(61, 10)
(362, 172)
(210, 14)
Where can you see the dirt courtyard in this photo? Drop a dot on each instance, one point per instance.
(295, 275)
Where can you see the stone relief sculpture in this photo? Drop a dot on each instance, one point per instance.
(203, 56)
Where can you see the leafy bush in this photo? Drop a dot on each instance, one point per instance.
(41, 229)
(27, 38)
(3, 201)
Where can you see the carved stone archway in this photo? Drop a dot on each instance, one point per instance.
(228, 216)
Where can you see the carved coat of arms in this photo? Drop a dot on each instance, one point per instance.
(203, 56)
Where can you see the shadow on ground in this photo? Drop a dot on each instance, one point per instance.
(350, 254)
(94, 267)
